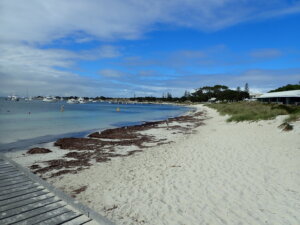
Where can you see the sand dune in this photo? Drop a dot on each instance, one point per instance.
(225, 173)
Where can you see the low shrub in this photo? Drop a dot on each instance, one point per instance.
(254, 111)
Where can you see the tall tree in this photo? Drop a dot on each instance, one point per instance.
(187, 94)
(169, 95)
(247, 88)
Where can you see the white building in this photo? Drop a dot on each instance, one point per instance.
(283, 97)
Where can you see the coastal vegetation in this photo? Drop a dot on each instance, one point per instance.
(218, 93)
(202, 94)
(288, 87)
(254, 111)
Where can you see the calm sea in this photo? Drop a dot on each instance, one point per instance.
(25, 123)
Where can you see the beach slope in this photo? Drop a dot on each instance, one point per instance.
(222, 173)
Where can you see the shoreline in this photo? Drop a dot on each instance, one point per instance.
(22, 144)
(216, 173)
(77, 156)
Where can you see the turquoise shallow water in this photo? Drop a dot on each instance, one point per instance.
(23, 123)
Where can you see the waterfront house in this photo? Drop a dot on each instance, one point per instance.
(282, 97)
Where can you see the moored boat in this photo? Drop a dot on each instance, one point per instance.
(81, 100)
(49, 99)
(13, 98)
(72, 101)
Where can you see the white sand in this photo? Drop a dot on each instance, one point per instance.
(226, 173)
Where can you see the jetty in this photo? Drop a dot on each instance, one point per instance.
(27, 199)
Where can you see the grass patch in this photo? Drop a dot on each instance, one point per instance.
(293, 117)
(254, 111)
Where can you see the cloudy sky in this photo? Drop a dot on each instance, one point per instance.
(124, 47)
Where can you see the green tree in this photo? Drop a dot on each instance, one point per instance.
(288, 87)
(187, 94)
(169, 95)
(247, 88)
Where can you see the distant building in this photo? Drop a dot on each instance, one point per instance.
(212, 99)
(254, 95)
(283, 97)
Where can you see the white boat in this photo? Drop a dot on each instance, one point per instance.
(28, 99)
(72, 101)
(13, 98)
(81, 100)
(49, 99)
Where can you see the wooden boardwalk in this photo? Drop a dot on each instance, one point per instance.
(27, 199)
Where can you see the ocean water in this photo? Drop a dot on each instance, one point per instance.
(24, 123)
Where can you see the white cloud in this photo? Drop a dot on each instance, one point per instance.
(27, 25)
(102, 52)
(36, 21)
(47, 71)
(266, 53)
(111, 73)
(260, 80)
(108, 51)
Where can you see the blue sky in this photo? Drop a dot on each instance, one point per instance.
(121, 48)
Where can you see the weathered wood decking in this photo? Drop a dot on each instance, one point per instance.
(27, 199)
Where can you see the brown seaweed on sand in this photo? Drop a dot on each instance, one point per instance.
(38, 151)
(78, 191)
(62, 164)
(101, 146)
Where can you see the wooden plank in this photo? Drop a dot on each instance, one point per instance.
(20, 188)
(77, 221)
(7, 165)
(34, 200)
(16, 181)
(16, 185)
(29, 207)
(4, 162)
(23, 197)
(3, 179)
(33, 216)
(4, 171)
(2, 183)
(59, 219)
(92, 222)
(10, 173)
(27, 199)
(41, 217)
(3, 166)
(20, 193)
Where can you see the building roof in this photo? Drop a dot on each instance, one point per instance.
(282, 94)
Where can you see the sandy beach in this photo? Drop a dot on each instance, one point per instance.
(213, 172)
